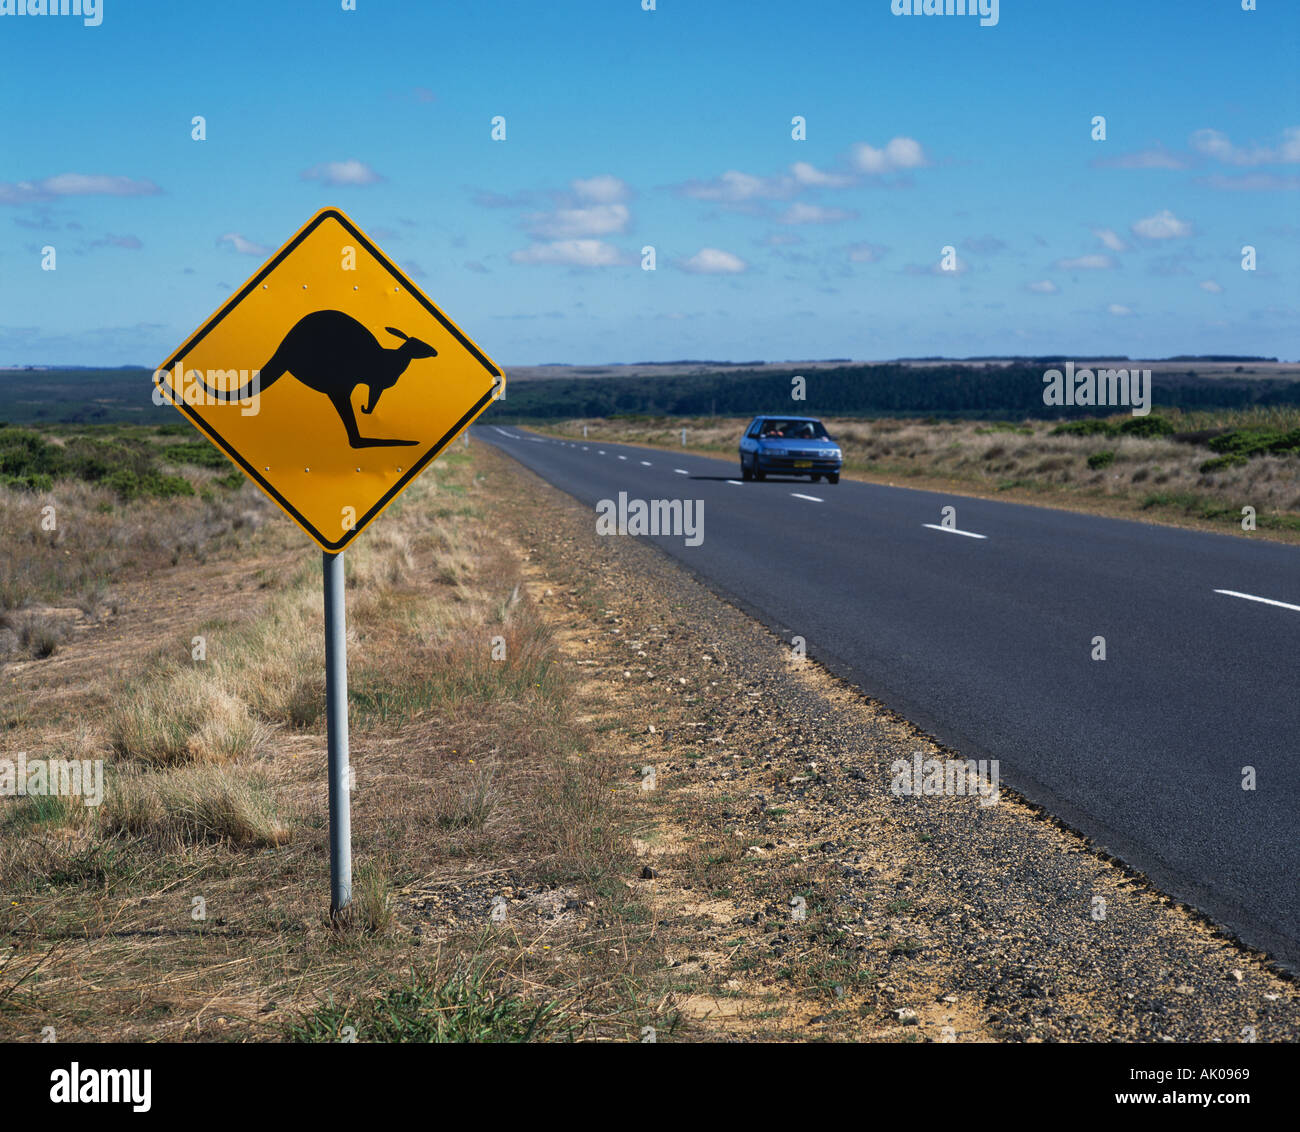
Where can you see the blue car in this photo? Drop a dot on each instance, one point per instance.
(789, 446)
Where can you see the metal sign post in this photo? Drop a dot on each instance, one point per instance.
(271, 379)
(336, 712)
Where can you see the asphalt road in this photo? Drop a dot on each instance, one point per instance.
(986, 643)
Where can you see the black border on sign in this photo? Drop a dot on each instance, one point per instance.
(334, 546)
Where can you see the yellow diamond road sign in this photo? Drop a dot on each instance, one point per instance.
(330, 379)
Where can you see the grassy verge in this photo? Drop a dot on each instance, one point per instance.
(488, 836)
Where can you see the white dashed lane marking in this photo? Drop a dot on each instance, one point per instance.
(810, 498)
(952, 530)
(1263, 600)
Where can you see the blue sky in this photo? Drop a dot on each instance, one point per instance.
(670, 128)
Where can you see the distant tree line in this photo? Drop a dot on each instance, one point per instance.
(876, 390)
(944, 389)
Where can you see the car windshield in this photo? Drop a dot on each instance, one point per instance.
(792, 430)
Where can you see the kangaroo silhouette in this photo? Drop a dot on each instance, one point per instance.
(333, 353)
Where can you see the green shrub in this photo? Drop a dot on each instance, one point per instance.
(151, 483)
(31, 481)
(128, 467)
(1245, 443)
(1102, 459)
(25, 454)
(1147, 426)
(468, 1007)
(1220, 463)
(1090, 426)
(197, 452)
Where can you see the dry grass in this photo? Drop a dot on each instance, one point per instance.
(471, 781)
(468, 798)
(193, 804)
(31, 633)
(96, 540)
(182, 715)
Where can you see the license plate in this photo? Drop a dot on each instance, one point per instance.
(803, 463)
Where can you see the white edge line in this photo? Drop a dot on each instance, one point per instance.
(1264, 600)
(952, 530)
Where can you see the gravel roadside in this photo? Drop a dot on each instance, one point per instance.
(796, 895)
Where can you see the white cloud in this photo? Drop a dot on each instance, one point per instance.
(1119, 310)
(74, 185)
(801, 213)
(814, 178)
(1250, 183)
(591, 207)
(243, 246)
(937, 268)
(1044, 287)
(574, 253)
(865, 253)
(350, 172)
(737, 188)
(1111, 239)
(574, 223)
(1164, 225)
(734, 187)
(899, 153)
(1157, 158)
(1094, 262)
(1211, 286)
(1216, 144)
(713, 261)
(111, 241)
(602, 189)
